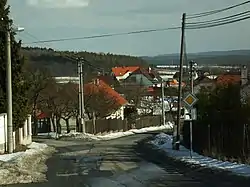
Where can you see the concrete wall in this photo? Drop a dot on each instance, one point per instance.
(3, 128)
(24, 134)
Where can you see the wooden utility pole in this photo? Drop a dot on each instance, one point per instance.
(163, 103)
(178, 121)
(82, 98)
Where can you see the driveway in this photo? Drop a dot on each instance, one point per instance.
(121, 162)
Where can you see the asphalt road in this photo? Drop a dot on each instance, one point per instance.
(123, 162)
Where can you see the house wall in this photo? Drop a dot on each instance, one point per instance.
(3, 134)
(166, 74)
(140, 80)
(167, 77)
(24, 134)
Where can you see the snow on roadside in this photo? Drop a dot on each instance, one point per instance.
(164, 142)
(116, 135)
(25, 167)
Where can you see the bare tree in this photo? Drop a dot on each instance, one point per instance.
(39, 79)
(51, 103)
(60, 101)
(69, 94)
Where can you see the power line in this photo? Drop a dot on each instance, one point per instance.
(208, 13)
(31, 35)
(103, 35)
(194, 25)
(227, 18)
(74, 59)
(203, 26)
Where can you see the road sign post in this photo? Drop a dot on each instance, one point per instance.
(190, 101)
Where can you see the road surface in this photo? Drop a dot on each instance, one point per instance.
(117, 163)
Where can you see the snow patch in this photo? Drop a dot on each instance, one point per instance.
(25, 167)
(116, 135)
(164, 142)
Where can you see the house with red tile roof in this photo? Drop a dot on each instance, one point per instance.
(137, 76)
(104, 100)
(123, 72)
(144, 77)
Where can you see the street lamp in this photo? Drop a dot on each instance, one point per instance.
(18, 29)
(10, 142)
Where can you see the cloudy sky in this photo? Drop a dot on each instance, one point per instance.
(55, 19)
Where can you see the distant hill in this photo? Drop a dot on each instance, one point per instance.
(60, 63)
(234, 57)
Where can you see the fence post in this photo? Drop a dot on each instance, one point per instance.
(5, 131)
(20, 135)
(29, 126)
(14, 140)
(25, 131)
(209, 138)
(94, 123)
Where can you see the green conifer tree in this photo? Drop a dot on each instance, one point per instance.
(20, 86)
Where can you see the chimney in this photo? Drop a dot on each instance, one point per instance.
(244, 75)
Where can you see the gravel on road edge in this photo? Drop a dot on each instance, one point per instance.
(150, 153)
(28, 169)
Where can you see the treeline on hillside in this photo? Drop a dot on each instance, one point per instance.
(63, 63)
(202, 60)
(222, 128)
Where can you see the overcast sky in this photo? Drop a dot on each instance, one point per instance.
(53, 19)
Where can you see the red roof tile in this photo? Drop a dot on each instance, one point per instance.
(42, 115)
(120, 71)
